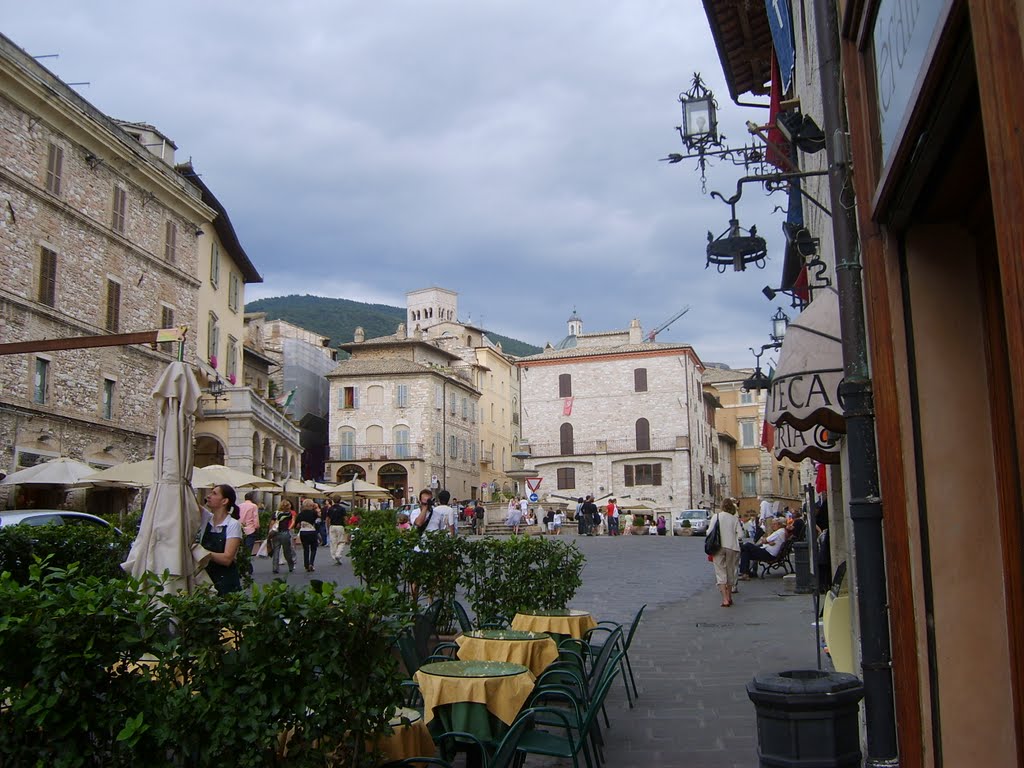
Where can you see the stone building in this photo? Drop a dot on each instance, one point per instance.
(610, 414)
(97, 235)
(434, 313)
(403, 415)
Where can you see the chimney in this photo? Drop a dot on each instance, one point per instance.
(635, 334)
(360, 335)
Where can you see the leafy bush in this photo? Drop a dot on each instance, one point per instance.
(78, 691)
(374, 518)
(98, 551)
(505, 576)
(499, 576)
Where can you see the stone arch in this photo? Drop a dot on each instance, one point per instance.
(209, 450)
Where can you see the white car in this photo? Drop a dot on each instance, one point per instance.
(698, 519)
(50, 517)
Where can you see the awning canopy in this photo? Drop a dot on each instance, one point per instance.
(792, 443)
(805, 388)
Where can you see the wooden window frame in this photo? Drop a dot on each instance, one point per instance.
(639, 379)
(112, 320)
(54, 168)
(170, 242)
(565, 385)
(47, 286)
(566, 478)
(119, 216)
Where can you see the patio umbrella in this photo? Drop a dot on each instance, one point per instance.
(218, 474)
(137, 474)
(170, 521)
(294, 487)
(62, 471)
(357, 487)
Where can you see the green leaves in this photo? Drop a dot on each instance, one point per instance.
(95, 673)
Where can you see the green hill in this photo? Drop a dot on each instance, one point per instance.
(338, 319)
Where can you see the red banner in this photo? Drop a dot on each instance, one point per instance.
(567, 407)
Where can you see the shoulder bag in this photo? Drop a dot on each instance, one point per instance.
(713, 539)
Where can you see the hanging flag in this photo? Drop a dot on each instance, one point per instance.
(285, 400)
(767, 435)
(779, 151)
(820, 479)
(567, 406)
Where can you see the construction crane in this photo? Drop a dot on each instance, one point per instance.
(652, 334)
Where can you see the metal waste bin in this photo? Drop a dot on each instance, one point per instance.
(807, 718)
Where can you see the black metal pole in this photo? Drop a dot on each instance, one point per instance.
(858, 404)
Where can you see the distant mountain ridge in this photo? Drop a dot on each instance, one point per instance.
(339, 318)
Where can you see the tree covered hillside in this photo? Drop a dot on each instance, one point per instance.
(338, 319)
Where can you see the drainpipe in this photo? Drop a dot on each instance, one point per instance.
(858, 407)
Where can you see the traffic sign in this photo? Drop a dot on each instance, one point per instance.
(534, 497)
(533, 484)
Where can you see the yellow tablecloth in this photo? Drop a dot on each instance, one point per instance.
(453, 682)
(533, 653)
(568, 622)
(408, 740)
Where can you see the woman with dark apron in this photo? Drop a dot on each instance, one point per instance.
(221, 535)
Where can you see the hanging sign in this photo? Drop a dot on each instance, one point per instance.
(781, 22)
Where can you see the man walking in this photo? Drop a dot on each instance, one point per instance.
(336, 514)
(590, 514)
(249, 517)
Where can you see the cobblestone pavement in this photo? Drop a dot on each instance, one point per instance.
(692, 658)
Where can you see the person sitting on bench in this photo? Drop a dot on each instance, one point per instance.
(770, 546)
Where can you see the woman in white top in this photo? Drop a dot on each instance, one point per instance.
(726, 559)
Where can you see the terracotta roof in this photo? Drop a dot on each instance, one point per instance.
(394, 340)
(744, 42)
(355, 367)
(720, 375)
(576, 352)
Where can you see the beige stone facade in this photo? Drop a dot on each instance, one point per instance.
(403, 415)
(609, 414)
(753, 471)
(97, 236)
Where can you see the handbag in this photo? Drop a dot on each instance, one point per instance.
(713, 539)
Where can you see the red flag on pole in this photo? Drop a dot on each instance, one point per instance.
(768, 435)
(778, 148)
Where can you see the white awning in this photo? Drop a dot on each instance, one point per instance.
(805, 388)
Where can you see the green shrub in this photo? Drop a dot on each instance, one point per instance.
(374, 518)
(505, 576)
(76, 693)
(499, 576)
(98, 551)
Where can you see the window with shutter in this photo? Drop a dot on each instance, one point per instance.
(166, 321)
(171, 242)
(54, 168)
(628, 475)
(113, 319)
(108, 399)
(656, 474)
(643, 435)
(39, 382)
(566, 478)
(402, 395)
(214, 264)
(565, 385)
(48, 277)
(640, 380)
(212, 337)
(120, 211)
(565, 435)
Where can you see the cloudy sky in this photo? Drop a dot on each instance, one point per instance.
(505, 149)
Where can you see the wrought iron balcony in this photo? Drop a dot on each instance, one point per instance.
(378, 452)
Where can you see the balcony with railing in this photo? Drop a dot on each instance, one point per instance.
(486, 457)
(378, 452)
(619, 445)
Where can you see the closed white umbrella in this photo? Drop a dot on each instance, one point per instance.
(61, 471)
(170, 521)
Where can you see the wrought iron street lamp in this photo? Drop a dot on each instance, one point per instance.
(758, 380)
(780, 322)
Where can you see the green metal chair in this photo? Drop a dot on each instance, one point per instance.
(604, 625)
(505, 755)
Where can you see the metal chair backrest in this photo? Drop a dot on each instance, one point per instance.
(599, 669)
(633, 626)
(462, 616)
(504, 756)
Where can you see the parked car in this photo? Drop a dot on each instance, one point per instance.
(51, 517)
(698, 520)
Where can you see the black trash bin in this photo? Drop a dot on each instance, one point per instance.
(807, 718)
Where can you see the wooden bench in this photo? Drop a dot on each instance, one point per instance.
(781, 560)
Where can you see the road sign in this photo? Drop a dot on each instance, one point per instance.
(534, 497)
(533, 483)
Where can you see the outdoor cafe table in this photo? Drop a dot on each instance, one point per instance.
(566, 622)
(479, 697)
(534, 650)
(409, 737)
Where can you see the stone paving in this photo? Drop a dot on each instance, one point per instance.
(692, 658)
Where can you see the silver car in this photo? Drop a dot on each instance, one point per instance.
(698, 519)
(51, 517)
